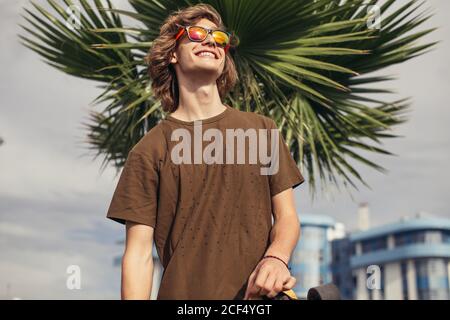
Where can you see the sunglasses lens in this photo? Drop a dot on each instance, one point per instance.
(197, 34)
(221, 38)
(200, 34)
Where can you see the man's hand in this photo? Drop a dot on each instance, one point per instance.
(269, 278)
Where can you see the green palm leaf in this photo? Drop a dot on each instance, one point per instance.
(304, 63)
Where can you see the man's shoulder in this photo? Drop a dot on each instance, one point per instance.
(254, 119)
(153, 143)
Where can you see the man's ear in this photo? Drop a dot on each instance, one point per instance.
(173, 58)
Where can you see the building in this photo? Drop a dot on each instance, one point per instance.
(340, 267)
(311, 259)
(407, 260)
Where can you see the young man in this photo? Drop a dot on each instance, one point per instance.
(209, 214)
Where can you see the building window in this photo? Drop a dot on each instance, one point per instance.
(375, 244)
(419, 236)
(446, 236)
(433, 236)
(353, 249)
(410, 237)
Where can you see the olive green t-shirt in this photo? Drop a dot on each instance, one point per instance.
(211, 219)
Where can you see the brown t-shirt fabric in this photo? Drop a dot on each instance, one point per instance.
(211, 221)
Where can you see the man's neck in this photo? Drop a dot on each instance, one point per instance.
(201, 104)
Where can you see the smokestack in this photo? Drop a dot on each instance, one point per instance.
(363, 217)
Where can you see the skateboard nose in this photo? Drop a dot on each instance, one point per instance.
(324, 292)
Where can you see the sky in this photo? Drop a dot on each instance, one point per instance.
(54, 197)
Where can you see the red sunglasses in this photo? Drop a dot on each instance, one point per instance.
(199, 34)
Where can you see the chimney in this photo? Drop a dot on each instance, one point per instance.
(363, 217)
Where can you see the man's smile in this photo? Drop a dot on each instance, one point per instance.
(205, 53)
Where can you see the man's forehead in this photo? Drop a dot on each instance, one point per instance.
(206, 23)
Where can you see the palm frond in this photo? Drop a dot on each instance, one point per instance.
(306, 64)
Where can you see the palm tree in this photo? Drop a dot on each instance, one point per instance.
(307, 64)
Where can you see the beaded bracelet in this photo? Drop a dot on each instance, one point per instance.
(278, 259)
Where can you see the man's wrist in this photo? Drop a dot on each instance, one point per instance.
(267, 256)
(278, 253)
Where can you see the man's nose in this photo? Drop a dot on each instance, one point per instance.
(210, 39)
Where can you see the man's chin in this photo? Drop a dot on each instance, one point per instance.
(209, 68)
(207, 64)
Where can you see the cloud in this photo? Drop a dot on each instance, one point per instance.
(40, 239)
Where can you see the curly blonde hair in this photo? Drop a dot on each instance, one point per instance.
(162, 72)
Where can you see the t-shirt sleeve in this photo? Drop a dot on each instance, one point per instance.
(288, 174)
(136, 194)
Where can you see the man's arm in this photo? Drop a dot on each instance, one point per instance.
(285, 231)
(270, 275)
(137, 262)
